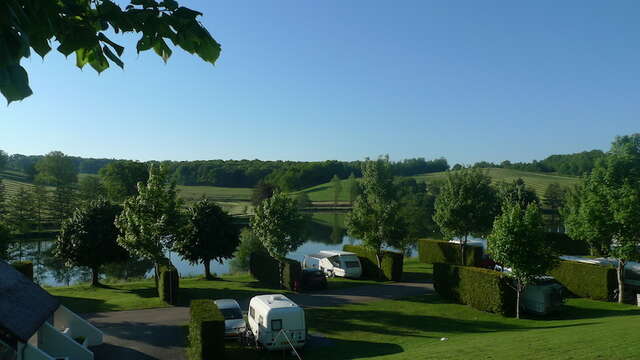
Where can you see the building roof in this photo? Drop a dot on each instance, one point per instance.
(24, 306)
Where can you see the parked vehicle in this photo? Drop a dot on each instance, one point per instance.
(334, 263)
(313, 279)
(543, 297)
(276, 322)
(234, 323)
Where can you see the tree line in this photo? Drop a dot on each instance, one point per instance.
(576, 164)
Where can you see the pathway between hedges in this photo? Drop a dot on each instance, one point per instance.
(160, 333)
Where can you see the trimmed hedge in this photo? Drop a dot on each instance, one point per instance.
(25, 267)
(596, 282)
(565, 245)
(206, 331)
(483, 289)
(392, 263)
(168, 284)
(267, 270)
(441, 251)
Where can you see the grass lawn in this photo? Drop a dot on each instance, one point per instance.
(538, 181)
(413, 328)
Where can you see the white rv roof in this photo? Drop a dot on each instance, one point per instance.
(275, 301)
(326, 253)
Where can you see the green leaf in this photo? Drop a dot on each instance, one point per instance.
(209, 50)
(113, 57)
(161, 48)
(99, 62)
(82, 57)
(145, 43)
(119, 49)
(17, 86)
(169, 4)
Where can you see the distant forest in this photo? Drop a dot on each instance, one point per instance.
(296, 175)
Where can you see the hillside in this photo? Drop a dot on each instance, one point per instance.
(538, 181)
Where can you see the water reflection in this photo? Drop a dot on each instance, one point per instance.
(325, 231)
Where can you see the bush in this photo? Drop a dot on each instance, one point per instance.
(168, 284)
(440, 251)
(25, 267)
(392, 263)
(267, 270)
(565, 245)
(206, 331)
(592, 281)
(483, 289)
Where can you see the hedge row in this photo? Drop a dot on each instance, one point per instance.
(267, 270)
(168, 284)
(25, 267)
(587, 280)
(441, 251)
(483, 289)
(206, 331)
(565, 245)
(392, 263)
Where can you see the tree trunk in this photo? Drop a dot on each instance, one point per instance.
(462, 245)
(207, 269)
(518, 291)
(281, 271)
(156, 271)
(620, 273)
(95, 277)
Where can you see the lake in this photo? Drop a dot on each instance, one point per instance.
(325, 232)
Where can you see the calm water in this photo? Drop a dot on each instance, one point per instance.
(325, 232)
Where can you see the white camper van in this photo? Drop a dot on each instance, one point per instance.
(334, 263)
(277, 322)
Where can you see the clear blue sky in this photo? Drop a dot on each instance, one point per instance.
(334, 79)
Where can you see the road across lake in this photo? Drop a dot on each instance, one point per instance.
(160, 333)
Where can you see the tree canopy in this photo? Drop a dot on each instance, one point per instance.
(375, 217)
(517, 241)
(88, 238)
(81, 27)
(279, 225)
(56, 169)
(210, 234)
(120, 178)
(151, 221)
(466, 205)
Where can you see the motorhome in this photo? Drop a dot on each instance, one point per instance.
(334, 263)
(276, 322)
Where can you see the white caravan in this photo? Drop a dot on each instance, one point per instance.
(334, 263)
(277, 322)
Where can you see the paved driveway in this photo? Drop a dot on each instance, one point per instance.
(160, 333)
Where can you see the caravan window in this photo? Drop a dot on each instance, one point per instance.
(276, 325)
(334, 261)
(252, 313)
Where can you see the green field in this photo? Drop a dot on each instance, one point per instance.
(538, 181)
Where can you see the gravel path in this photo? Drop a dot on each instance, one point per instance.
(160, 333)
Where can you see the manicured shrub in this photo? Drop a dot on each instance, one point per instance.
(483, 289)
(168, 284)
(392, 263)
(565, 245)
(267, 270)
(206, 331)
(25, 267)
(441, 251)
(592, 281)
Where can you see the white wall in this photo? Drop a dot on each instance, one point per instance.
(57, 344)
(64, 318)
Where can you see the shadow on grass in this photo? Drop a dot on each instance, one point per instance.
(416, 277)
(336, 350)
(396, 323)
(83, 305)
(570, 312)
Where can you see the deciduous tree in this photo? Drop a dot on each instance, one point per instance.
(151, 221)
(62, 203)
(467, 205)
(517, 241)
(88, 238)
(81, 27)
(375, 217)
(210, 234)
(353, 188)
(120, 178)
(336, 184)
(90, 188)
(553, 199)
(517, 191)
(279, 226)
(56, 169)
(261, 192)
